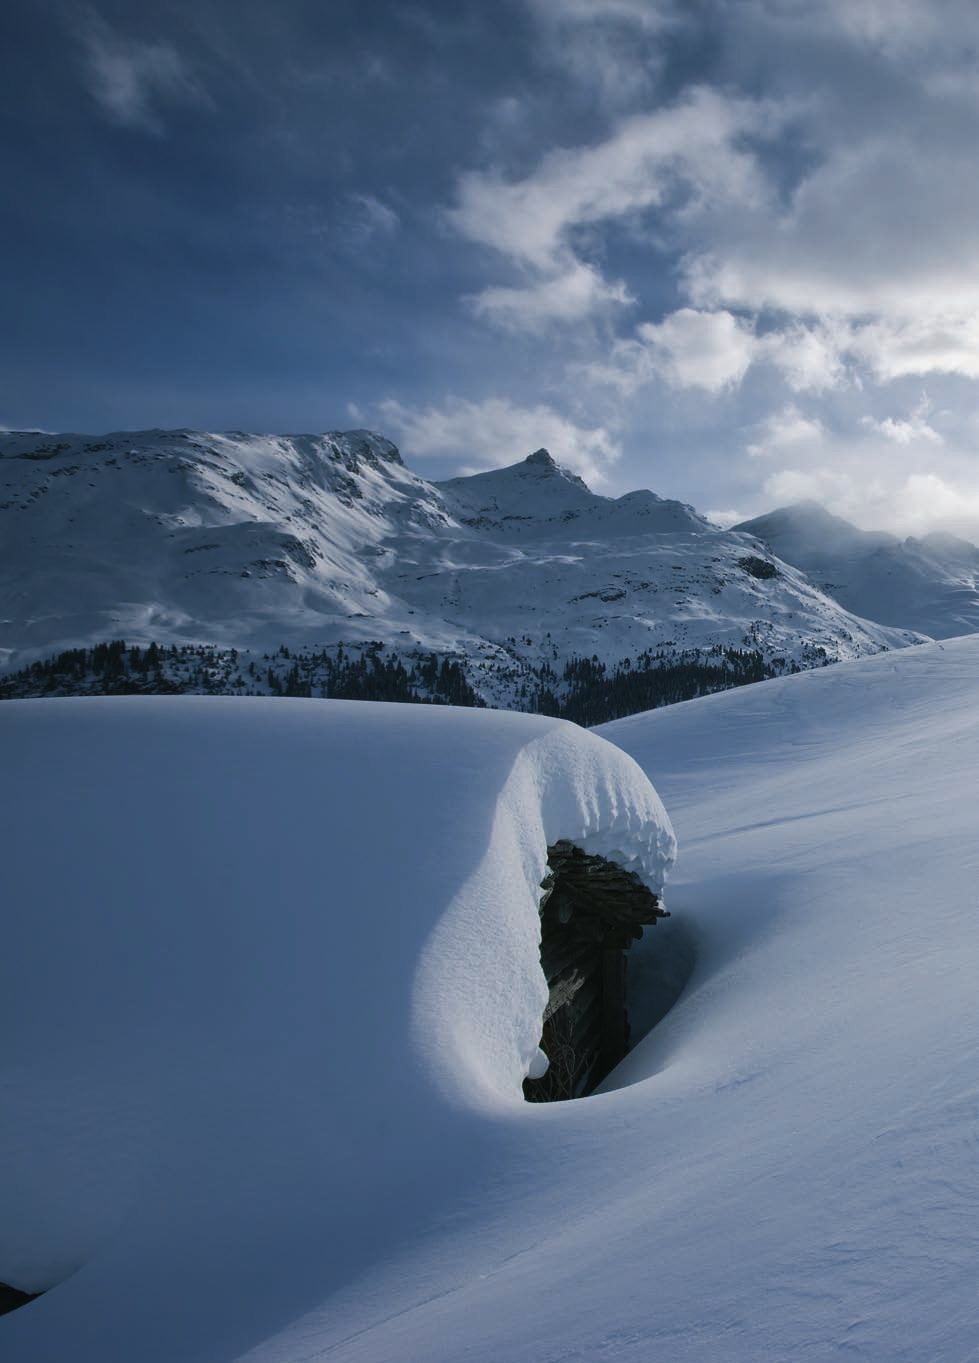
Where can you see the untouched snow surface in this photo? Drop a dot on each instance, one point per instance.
(270, 984)
(784, 1169)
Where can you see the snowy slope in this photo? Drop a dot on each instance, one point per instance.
(180, 535)
(270, 977)
(257, 541)
(929, 584)
(783, 1169)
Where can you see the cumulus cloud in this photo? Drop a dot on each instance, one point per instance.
(131, 78)
(691, 349)
(471, 436)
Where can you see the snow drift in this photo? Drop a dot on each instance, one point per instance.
(783, 1169)
(270, 976)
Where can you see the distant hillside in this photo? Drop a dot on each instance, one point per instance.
(929, 584)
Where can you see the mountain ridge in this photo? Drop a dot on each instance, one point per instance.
(250, 542)
(929, 583)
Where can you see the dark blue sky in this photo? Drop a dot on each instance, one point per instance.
(723, 249)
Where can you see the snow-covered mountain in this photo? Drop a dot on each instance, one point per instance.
(252, 542)
(270, 982)
(929, 584)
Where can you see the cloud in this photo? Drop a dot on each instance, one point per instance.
(834, 488)
(611, 48)
(944, 342)
(577, 293)
(496, 432)
(647, 15)
(690, 152)
(725, 517)
(926, 501)
(713, 351)
(898, 29)
(369, 218)
(788, 431)
(897, 473)
(691, 349)
(911, 503)
(130, 78)
(876, 247)
(907, 431)
(808, 357)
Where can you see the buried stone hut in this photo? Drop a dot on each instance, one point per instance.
(591, 911)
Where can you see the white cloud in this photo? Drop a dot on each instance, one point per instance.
(577, 293)
(808, 357)
(788, 431)
(725, 517)
(691, 143)
(927, 500)
(876, 245)
(937, 341)
(833, 488)
(689, 151)
(908, 430)
(691, 349)
(905, 503)
(890, 473)
(713, 350)
(497, 432)
(130, 77)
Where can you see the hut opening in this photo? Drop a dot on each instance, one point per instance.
(591, 911)
(12, 1297)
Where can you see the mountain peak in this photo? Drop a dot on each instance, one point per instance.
(543, 463)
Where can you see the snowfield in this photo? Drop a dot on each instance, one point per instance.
(270, 974)
(270, 985)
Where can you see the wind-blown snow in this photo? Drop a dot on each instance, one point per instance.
(783, 1169)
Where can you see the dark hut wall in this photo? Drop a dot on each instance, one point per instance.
(591, 913)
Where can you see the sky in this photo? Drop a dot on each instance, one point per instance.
(722, 249)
